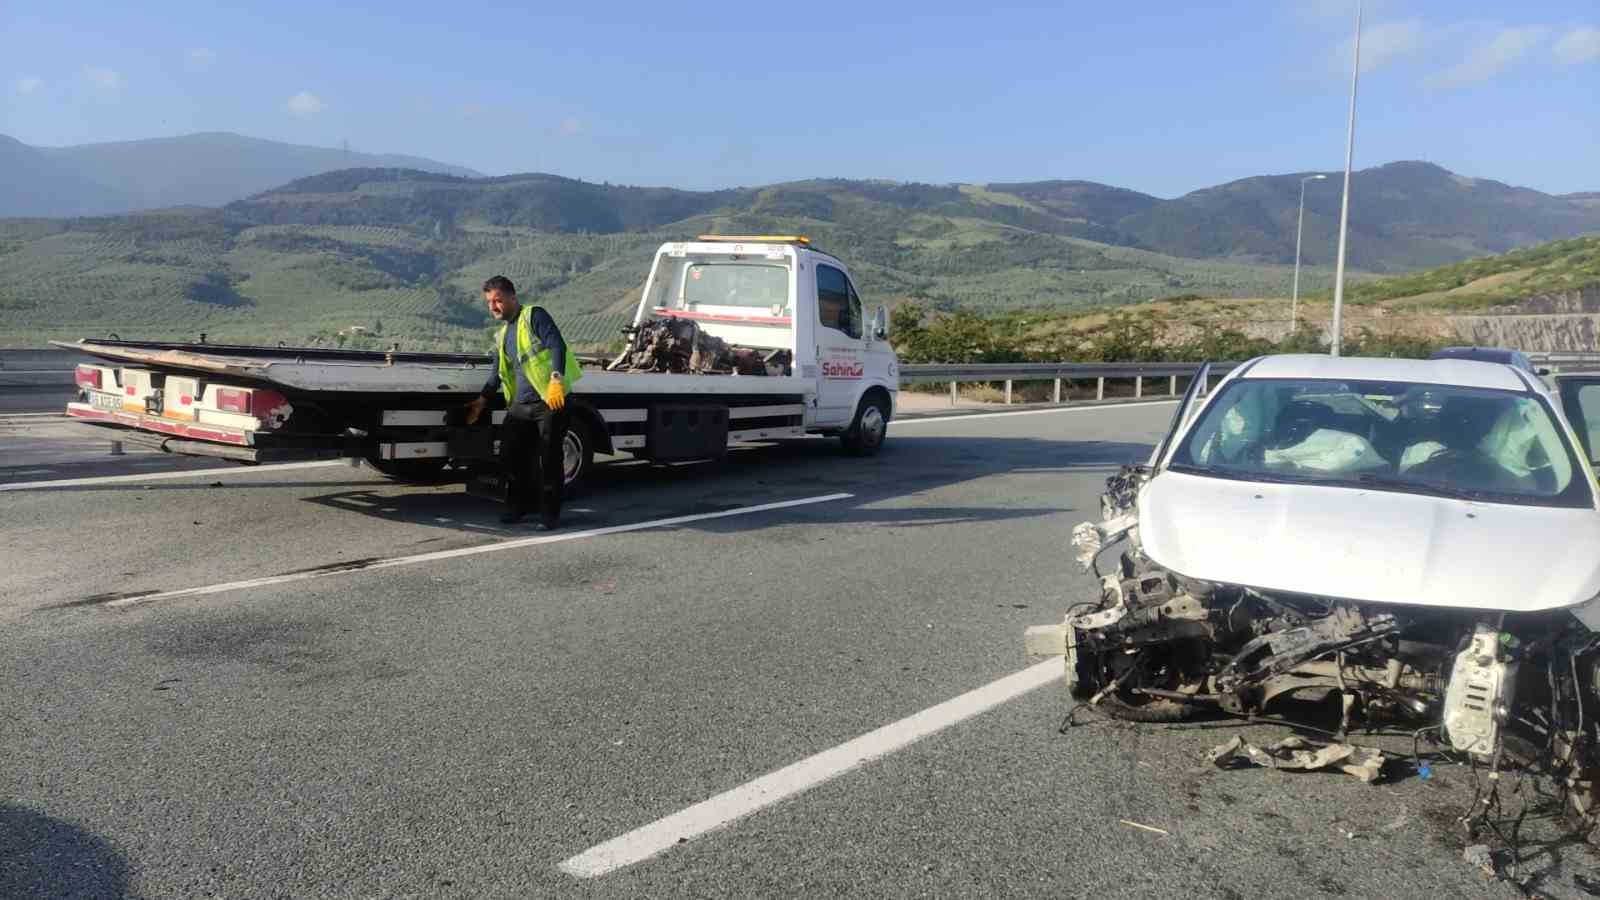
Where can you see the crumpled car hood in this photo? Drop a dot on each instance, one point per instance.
(1372, 546)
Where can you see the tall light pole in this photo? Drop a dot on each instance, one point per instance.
(1294, 302)
(1344, 206)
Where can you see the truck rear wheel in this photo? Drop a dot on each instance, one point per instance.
(870, 427)
(577, 455)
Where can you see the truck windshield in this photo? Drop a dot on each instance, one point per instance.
(689, 284)
(1442, 440)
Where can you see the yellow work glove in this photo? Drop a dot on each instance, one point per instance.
(555, 396)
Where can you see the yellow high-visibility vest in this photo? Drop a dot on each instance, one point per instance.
(535, 357)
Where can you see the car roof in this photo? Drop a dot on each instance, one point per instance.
(1487, 354)
(1461, 372)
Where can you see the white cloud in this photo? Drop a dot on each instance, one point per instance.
(1486, 61)
(569, 127)
(468, 110)
(1580, 45)
(202, 56)
(1382, 44)
(28, 85)
(104, 80)
(306, 104)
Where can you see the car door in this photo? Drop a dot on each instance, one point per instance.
(1580, 403)
(841, 347)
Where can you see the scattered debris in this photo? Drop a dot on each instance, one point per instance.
(1480, 857)
(1145, 827)
(1296, 752)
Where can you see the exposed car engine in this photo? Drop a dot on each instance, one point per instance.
(1500, 690)
(680, 346)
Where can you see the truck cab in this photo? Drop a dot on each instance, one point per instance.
(793, 303)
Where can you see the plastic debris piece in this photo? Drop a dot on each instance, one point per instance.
(1481, 858)
(1145, 827)
(1366, 763)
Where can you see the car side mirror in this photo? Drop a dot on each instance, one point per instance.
(880, 323)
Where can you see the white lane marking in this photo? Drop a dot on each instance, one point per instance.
(916, 420)
(721, 810)
(31, 472)
(438, 555)
(35, 416)
(162, 476)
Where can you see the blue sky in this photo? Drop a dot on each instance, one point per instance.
(1162, 97)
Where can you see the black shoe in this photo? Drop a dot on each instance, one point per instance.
(512, 516)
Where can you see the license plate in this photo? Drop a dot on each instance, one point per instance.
(105, 401)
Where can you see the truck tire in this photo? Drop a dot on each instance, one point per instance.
(577, 455)
(867, 431)
(411, 471)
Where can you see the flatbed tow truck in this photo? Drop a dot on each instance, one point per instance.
(735, 340)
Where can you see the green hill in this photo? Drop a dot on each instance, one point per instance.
(1490, 282)
(396, 255)
(400, 254)
(1403, 216)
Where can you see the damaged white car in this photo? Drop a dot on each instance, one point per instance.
(1415, 541)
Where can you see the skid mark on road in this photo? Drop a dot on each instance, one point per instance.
(373, 564)
(723, 809)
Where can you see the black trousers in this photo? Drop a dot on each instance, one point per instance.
(531, 455)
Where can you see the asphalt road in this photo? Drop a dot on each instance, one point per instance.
(36, 380)
(461, 724)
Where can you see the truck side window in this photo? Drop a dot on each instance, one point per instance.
(834, 307)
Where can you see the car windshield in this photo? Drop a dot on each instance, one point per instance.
(1444, 440)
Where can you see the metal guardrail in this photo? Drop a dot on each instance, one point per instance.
(1061, 372)
(1044, 371)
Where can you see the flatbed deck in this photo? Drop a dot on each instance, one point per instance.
(380, 372)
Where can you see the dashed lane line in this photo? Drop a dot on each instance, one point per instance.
(723, 809)
(440, 555)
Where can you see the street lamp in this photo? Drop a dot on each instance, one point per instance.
(1344, 206)
(1294, 302)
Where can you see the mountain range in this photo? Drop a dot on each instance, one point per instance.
(206, 169)
(407, 248)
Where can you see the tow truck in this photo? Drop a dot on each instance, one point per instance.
(736, 339)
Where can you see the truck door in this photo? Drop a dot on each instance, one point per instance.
(841, 348)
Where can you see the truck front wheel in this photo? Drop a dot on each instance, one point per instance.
(870, 427)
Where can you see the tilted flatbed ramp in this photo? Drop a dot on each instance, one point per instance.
(394, 372)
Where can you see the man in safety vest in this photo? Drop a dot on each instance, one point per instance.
(532, 375)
